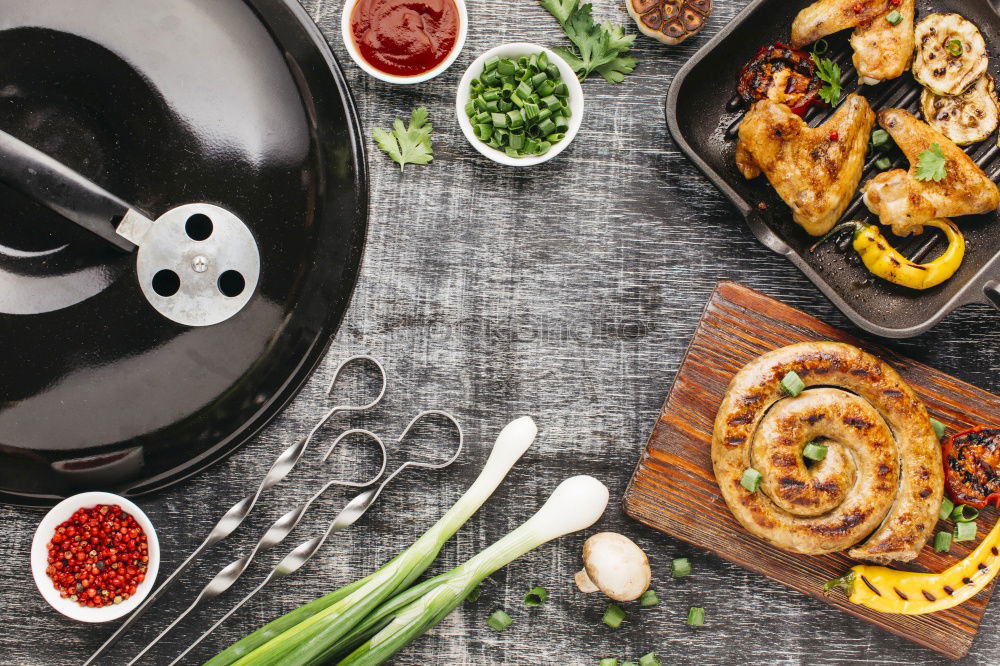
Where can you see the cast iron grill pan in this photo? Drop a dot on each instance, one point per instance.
(703, 116)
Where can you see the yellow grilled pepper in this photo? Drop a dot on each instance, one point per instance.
(883, 261)
(909, 593)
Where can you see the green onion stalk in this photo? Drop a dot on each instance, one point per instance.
(575, 505)
(304, 633)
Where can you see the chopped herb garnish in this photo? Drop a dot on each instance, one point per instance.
(955, 47)
(942, 542)
(680, 567)
(792, 384)
(751, 479)
(821, 47)
(965, 531)
(650, 660)
(499, 620)
(963, 513)
(536, 597)
(613, 616)
(931, 164)
(939, 428)
(894, 17)
(829, 73)
(696, 617)
(946, 506)
(649, 598)
(884, 164)
(879, 138)
(407, 145)
(814, 451)
(472, 596)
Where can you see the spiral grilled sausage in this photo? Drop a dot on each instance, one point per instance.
(879, 489)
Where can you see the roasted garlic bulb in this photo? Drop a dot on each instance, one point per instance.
(669, 21)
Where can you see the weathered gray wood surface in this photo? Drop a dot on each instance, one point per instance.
(567, 292)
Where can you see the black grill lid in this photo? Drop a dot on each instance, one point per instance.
(163, 102)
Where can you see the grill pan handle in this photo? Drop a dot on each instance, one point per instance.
(63, 190)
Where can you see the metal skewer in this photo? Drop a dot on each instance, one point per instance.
(272, 537)
(239, 511)
(356, 508)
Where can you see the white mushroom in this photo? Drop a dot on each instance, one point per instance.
(614, 565)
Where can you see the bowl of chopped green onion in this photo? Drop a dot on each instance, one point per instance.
(519, 104)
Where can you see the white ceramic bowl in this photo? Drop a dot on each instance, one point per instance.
(517, 50)
(352, 49)
(39, 557)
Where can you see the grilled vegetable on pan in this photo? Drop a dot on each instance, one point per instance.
(972, 467)
(967, 118)
(883, 261)
(951, 54)
(909, 593)
(669, 21)
(781, 74)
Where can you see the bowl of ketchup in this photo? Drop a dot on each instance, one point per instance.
(404, 41)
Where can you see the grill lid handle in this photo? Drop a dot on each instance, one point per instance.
(63, 190)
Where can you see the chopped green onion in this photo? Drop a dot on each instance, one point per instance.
(792, 384)
(473, 597)
(498, 620)
(536, 597)
(894, 17)
(965, 531)
(649, 598)
(939, 428)
(821, 47)
(946, 506)
(613, 616)
(883, 164)
(879, 138)
(814, 451)
(955, 47)
(650, 660)
(530, 95)
(963, 513)
(942, 542)
(751, 479)
(609, 661)
(696, 617)
(680, 567)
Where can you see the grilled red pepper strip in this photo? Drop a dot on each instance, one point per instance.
(972, 467)
(782, 74)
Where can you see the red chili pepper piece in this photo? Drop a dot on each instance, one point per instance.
(834, 135)
(972, 467)
(858, 8)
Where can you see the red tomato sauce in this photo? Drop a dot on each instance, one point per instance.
(405, 37)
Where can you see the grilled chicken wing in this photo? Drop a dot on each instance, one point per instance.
(882, 51)
(815, 170)
(904, 202)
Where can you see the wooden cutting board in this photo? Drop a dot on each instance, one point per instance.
(674, 490)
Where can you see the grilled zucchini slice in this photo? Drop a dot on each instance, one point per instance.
(951, 54)
(967, 118)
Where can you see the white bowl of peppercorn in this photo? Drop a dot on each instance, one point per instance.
(95, 557)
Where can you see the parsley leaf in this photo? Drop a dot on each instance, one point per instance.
(829, 72)
(596, 47)
(931, 164)
(407, 145)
